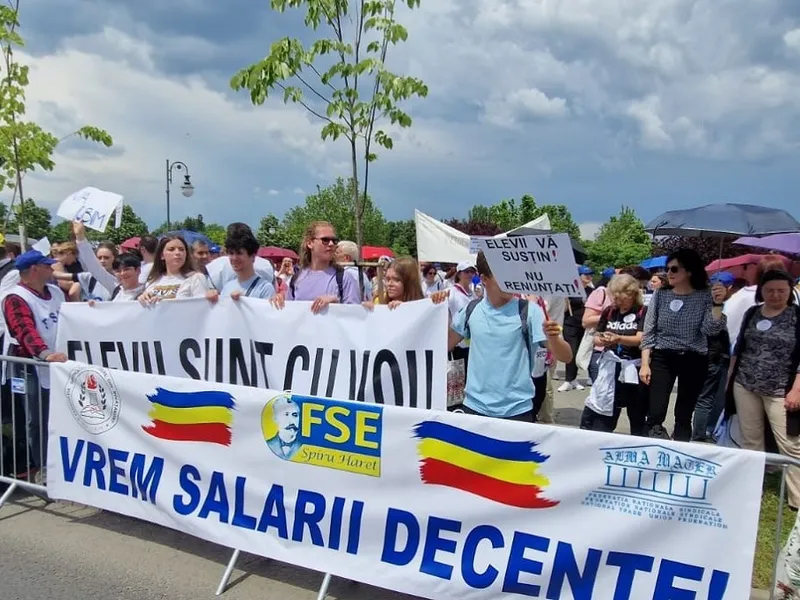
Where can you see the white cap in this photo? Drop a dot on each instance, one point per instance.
(465, 265)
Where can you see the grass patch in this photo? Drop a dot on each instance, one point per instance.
(767, 523)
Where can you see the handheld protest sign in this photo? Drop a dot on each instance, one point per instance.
(534, 264)
(92, 207)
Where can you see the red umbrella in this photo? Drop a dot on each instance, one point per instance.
(375, 252)
(131, 243)
(275, 253)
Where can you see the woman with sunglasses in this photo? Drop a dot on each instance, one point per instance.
(319, 279)
(680, 318)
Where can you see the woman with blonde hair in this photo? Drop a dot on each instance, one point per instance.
(402, 284)
(319, 279)
(619, 334)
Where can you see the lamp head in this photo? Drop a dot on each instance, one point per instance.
(187, 189)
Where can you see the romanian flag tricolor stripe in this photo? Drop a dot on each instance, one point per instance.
(215, 433)
(204, 399)
(509, 471)
(479, 444)
(191, 416)
(436, 472)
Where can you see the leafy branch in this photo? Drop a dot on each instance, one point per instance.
(331, 71)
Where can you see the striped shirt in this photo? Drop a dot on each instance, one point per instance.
(680, 322)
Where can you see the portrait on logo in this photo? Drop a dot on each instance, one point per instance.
(93, 399)
(324, 433)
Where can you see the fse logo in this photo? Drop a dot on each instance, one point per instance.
(324, 433)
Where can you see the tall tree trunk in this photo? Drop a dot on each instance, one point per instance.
(357, 200)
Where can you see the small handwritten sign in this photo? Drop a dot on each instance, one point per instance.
(534, 264)
(93, 207)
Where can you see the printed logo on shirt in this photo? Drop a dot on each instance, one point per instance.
(656, 482)
(165, 291)
(93, 399)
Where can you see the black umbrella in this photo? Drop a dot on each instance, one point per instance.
(579, 251)
(715, 220)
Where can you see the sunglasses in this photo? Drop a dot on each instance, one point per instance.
(328, 241)
(673, 270)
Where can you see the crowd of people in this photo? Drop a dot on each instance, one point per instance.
(730, 347)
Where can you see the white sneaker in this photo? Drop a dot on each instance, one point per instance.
(566, 386)
(578, 386)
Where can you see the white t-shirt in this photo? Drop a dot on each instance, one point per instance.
(171, 287)
(458, 299)
(221, 272)
(45, 312)
(145, 273)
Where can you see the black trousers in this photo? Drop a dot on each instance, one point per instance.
(573, 336)
(690, 369)
(631, 397)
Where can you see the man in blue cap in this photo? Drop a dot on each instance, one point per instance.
(30, 311)
(711, 400)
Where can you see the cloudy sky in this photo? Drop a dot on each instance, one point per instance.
(655, 105)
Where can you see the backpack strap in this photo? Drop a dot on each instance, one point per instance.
(92, 284)
(523, 316)
(252, 286)
(470, 309)
(340, 283)
(293, 282)
(116, 292)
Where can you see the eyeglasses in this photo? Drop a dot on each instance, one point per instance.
(328, 241)
(673, 269)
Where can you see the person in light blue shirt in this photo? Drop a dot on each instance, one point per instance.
(499, 382)
(242, 247)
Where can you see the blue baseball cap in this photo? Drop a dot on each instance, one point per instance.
(28, 259)
(723, 277)
(609, 272)
(215, 249)
(584, 270)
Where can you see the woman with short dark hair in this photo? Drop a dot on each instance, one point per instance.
(679, 320)
(764, 368)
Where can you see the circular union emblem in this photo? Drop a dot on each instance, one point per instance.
(93, 399)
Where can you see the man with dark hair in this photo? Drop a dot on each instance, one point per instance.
(147, 248)
(500, 325)
(220, 270)
(241, 247)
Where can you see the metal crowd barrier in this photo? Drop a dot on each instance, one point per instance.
(23, 452)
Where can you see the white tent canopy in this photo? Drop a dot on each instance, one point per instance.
(437, 242)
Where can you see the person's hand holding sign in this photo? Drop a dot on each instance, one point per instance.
(557, 345)
(79, 231)
(322, 303)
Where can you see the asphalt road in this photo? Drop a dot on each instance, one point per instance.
(67, 551)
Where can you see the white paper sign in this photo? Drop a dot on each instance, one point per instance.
(475, 243)
(43, 246)
(534, 264)
(92, 207)
(429, 503)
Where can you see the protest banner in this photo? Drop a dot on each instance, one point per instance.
(429, 503)
(92, 207)
(534, 264)
(386, 356)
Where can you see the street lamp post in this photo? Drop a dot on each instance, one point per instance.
(187, 189)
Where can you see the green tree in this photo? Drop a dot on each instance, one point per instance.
(272, 233)
(24, 145)
(621, 241)
(508, 215)
(335, 204)
(342, 79)
(195, 224)
(401, 236)
(216, 233)
(37, 220)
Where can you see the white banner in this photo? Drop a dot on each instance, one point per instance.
(430, 503)
(534, 264)
(386, 356)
